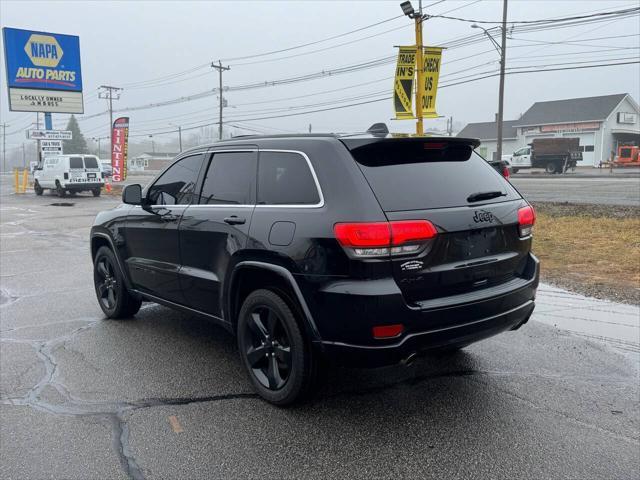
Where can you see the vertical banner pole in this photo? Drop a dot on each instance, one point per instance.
(420, 76)
(48, 123)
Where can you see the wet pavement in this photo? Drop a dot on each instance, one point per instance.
(164, 395)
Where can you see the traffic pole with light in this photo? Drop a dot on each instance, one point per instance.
(409, 11)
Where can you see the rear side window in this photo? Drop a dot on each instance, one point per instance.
(230, 179)
(417, 175)
(76, 162)
(176, 185)
(90, 162)
(284, 178)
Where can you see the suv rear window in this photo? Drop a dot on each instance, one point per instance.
(90, 162)
(415, 175)
(76, 162)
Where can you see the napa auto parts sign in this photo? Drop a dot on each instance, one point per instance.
(119, 148)
(43, 71)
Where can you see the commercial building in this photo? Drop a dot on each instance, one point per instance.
(150, 161)
(601, 123)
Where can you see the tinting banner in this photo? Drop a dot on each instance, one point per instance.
(403, 83)
(119, 147)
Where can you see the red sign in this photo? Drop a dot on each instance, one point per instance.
(119, 147)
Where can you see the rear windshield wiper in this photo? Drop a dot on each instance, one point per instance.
(476, 197)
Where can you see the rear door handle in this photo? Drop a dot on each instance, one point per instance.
(233, 220)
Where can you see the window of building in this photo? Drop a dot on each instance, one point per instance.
(588, 148)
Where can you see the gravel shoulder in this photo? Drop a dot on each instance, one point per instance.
(590, 249)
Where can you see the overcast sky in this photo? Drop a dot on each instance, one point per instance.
(127, 42)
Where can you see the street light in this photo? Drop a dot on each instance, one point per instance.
(153, 145)
(502, 50)
(179, 134)
(407, 9)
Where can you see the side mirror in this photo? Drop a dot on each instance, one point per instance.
(132, 194)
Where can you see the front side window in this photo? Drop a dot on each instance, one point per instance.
(230, 179)
(176, 186)
(284, 178)
(522, 151)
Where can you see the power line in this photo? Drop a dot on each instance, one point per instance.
(542, 21)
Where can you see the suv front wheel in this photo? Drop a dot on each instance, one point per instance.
(113, 296)
(273, 349)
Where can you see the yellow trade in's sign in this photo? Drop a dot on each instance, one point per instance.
(403, 84)
(431, 57)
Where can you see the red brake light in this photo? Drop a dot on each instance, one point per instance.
(374, 234)
(526, 220)
(378, 239)
(505, 172)
(411, 230)
(387, 331)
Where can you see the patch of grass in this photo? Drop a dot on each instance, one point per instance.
(593, 250)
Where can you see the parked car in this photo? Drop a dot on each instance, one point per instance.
(69, 174)
(361, 250)
(106, 168)
(555, 155)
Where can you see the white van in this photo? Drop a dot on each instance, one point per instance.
(69, 174)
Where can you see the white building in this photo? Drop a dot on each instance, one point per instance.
(601, 123)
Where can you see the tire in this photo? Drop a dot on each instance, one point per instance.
(551, 168)
(60, 191)
(288, 372)
(113, 297)
(96, 192)
(37, 188)
(514, 170)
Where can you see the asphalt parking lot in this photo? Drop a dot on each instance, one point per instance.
(164, 396)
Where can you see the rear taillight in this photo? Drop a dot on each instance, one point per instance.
(379, 239)
(505, 172)
(526, 220)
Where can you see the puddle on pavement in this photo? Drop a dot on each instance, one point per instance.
(62, 204)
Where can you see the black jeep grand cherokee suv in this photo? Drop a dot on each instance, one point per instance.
(362, 249)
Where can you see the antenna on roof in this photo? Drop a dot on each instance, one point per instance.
(378, 130)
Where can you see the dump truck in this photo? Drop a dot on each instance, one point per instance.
(628, 156)
(555, 155)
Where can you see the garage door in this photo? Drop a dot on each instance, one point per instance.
(587, 147)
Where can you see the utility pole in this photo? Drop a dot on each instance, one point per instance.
(24, 157)
(503, 58)
(4, 147)
(180, 138)
(110, 93)
(502, 51)
(220, 69)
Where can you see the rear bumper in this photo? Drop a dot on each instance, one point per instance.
(82, 187)
(456, 335)
(348, 316)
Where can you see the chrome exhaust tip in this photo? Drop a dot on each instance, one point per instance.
(409, 360)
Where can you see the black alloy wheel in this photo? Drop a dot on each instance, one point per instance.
(268, 348)
(114, 298)
(277, 355)
(106, 283)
